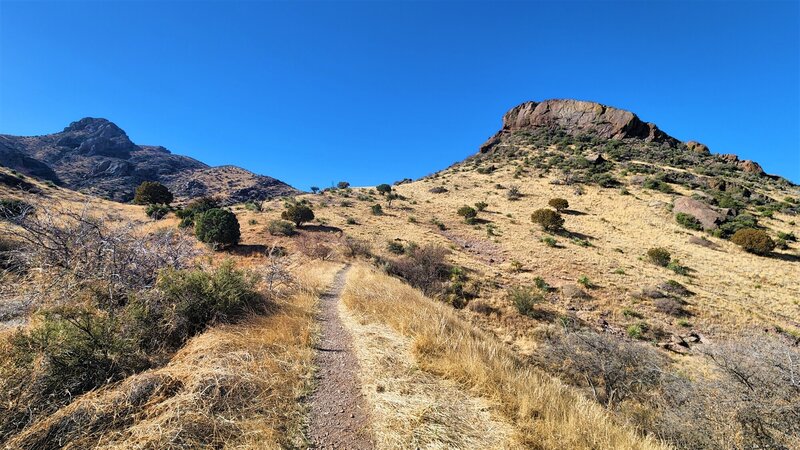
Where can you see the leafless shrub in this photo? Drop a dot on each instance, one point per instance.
(356, 247)
(670, 306)
(314, 246)
(276, 274)
(422, 267)
(613, 370)
(75, 249)
(752, 401)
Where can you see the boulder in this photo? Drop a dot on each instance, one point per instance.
(750, 167)
(699, 148)
(708, 216)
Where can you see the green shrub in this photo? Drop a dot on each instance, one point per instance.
(438, 190)
(730, 227)
(548, 219)
(659, 256)
(480, 206)
(395, 247)
(787, 236)
(586, 282)
(351, 221)
(637, 330)
(194, 207)
(297, 213)
(468, 213)
(254, 206)
(513, 193)
(754, 241)
(541, 284)
(280, 228)
(559, 204)
(550, 241)
(157, 212)
(688, 221)
(524, 299)
(218, 227)
(151, 192)
(377, 210)
(383, 188)
(343, 185)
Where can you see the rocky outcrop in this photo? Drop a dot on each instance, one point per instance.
(697, 147)
(709, 217)
(96, 156)
(577, 117)
(748, 166)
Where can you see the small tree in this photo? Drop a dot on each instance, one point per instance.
(468, 213)
(218, 227)
(659, 256)
(383, 188)
(297, 213)
(152, 192)
(548, 219)
(559, 204)
(390, 197)
(754, 241)
(377, 210)
(314, 189)
(343, 185)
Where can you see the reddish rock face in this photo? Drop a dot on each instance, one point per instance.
(698, 147)
(576, 117)
(750, 167)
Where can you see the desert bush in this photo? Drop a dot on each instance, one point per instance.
(659, 256)
(298, 213)
(254, 206)
(688, 221)
(749, 401)
(513, 193)
(524, 299)
(280, 228)
(437, 190)
(383, 188)
(150, 192)
(731, 226)
(468, 213)
(754, 241)
(425, 268)
(610, 369)
(548, 219)
(480, 206)
(787, 236)
(194, 207)
(356, 247)
(550, 241)
(376, 209)
(314, 246)
(559, 204)
(395, 247)
(218, 227)
(670, 306)
(343, 185)
(157, 211)
(13, 208)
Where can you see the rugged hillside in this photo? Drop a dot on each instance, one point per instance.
(97, 157)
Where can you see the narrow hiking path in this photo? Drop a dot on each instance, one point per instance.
(338, 412)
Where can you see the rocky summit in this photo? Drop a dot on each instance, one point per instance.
(96, 156)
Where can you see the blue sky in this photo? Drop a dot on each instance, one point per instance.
(371, 92)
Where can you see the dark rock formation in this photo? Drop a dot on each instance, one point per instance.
(577, 117)
(97, 157)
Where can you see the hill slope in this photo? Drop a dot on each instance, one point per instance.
(97, 157)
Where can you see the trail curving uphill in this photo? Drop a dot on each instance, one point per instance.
(338, 416)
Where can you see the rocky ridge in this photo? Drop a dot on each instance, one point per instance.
(97, 157)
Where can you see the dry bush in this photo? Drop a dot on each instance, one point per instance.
(423, 267)
(754, 241)
(546, 414)
(670, 306)
(611, 369)
(356, 247)
(314, 246)
(750, 400)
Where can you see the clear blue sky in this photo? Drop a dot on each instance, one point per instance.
(313, 93)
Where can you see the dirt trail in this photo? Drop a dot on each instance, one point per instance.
(338, 417)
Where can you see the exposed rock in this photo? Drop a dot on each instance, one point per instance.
(709, 217)
(750, 167)
(729, 158)
(717, 183)
(698, 148)
(577, 117)
(95, 155)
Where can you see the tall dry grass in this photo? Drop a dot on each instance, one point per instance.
(547, 414)
(234, 386)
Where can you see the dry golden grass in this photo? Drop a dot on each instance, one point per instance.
(734, 290)
(234, 386)
(546, 414)
(411, 408)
